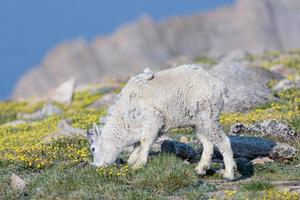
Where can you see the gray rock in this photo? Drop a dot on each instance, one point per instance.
(63, 93)
(236, 55)
(267, 128)
(106, 100)
(274, 128)
(14, 123)
(17, 183)
(46, 111)
(282, 70)
(297, 81)
(286, 84)
(247, 86)
(238, 129)
(283, 85)
(65, 129)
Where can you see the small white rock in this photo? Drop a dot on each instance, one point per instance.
(17, 183)
(184, 139)
(261, 161)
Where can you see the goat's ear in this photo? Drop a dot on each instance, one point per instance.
(96, 130)
(90, 135)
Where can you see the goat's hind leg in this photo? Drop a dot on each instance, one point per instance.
(224, 146)
(208, 150)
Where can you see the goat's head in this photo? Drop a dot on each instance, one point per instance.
(103, 150)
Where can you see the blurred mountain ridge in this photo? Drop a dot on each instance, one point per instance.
(249, 25)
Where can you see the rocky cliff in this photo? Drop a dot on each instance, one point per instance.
(250, 25)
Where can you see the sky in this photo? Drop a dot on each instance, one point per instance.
(29, 29)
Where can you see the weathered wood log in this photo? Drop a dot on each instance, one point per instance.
(180, 149)
(242, 146)
(253, 147)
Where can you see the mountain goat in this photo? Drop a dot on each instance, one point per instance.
(152, 103)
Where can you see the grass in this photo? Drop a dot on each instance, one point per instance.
(257, 185)
(164, 176)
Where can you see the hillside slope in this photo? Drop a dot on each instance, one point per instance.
(253, 26)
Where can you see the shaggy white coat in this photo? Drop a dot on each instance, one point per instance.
(152, 103)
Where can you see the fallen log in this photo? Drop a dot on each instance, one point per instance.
(242, 147)
(254, 147)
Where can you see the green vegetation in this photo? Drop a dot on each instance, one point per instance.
(256, 185)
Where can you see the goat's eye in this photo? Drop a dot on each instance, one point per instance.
(93, 149)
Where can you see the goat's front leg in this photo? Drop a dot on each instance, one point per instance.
(143, 153)
(134, 154)
(153, 123)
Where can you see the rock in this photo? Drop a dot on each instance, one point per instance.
(297, 81)
(46, 111)
(283, 85)
(180, 149)
(268, 128)
(104, 86)
(261, 161)
(62, 94)
(274, 128)
(14, 123)
(236, 55)
(17, 183)
(247, 86)
(106, 100)
(184, 139)
(238, 129)
(107, 90)
(282, 70)
(65, 130)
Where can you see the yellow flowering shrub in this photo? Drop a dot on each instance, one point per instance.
(84, 98)
(9, 109)
(286, 109)
(113, 171)
(271, 194)
(42, 155)
(23, 143)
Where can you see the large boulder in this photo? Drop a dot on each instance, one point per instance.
(247, 86)
(272, 128)
(46, 111)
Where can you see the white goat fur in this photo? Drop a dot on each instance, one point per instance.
(152, 103)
